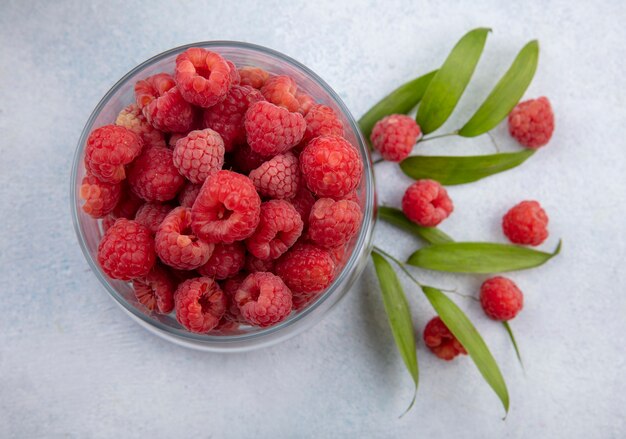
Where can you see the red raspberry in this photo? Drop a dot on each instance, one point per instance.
(126, 250)
(279, 228)
(227, 117)
(109, 149)
(278, 177)
(100, 198)
(155, 291)
(306, 268)
(181, 276)
(531, 123)
(177, 246)
(500, 298)
(174, 137)
(163, 105)
(253, 76)
(235, 77)
(526, 223)
(427, 203)
(301, 301)
(227, 208)
(272, 130)
(303, 202)
(245, 160)
(333, 223)
(338, 253)
(133, 119)
(152, 215)
(188, 194)
(394, 136)
(225, 261)
(200, 304)
(321, 120)
(263, 299)
(441, 341)
(199, 154)
(281, 91)
(331, 166)
(305, 102)
(230, 287)
(153, 176)
(202, 76)
(108, 221)
(254, 264)
(129, 203)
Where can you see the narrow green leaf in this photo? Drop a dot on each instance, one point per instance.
(399, 315)
(506, 94)
(479, 257)
(400, 101)
(512, 337)
(458, 323)
(394, 216)
(450, 81)
(450, 170)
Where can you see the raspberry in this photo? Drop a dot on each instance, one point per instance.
(263, 299)
(394, 136)
(306, 268)
(426, 203)
(225, 261)
(128, 205)
(126, 250)
(177, 246)
(155, 291)
(163, 105)
(338, 253)
(526, 223)
(108, 221)
(174, 137)
(245, 160)
(202, 76)
(199, 154)
(230, 287)
(281, 91)
(227, 208)
(272, 130)
(133, 119)
(100, 198)
(235, 77)
(322, 121)
(188, 194)
(331, 166)
(301, 301)
(441, 341)
(278, 177)
(253, 76)
(227, 117)
(305, 102)
(531, 123)
(254, 264)
(200, 304)
(153, 176)
(279, 228)
(152, 215)
(500, 298)
(303, 202)
(109, 149)
(333, 223)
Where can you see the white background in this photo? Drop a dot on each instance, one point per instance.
(73, 365)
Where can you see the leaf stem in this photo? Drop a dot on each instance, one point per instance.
(399, 264)
(512, 337)
(377, 161)
(493, 141)
(439, 136)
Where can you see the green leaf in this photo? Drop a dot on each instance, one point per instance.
(450, 170)
(458, 323)
(512, 337)
(399, 315)
(479, 257)
(450, 81)
(506, 94)
(400, 101)
(394, 216)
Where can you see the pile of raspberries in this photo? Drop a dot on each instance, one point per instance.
(227, 195)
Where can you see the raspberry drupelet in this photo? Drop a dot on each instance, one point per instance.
(199, 154)
(394, 136)
(152, 215)
(199, 304)
(531, 123)
(263, 299)
(133, 119)
(303, 202)
(426, 203)
(155, 291)
(153, 176)
(526, 223)
(322, 120)
(254, 264)
(225, 261)
(109, 149)
(227, 208)
(306, 268)
(176, 244)
(202, 76)
(305, 102)
(500, 298)
(187, 196)
(279, 228)
(278, 177)
(441, 341)
(253, 76)
(162, 104)
(281, 91)
(333, 223)
(126, 250)
(271, 129)
(100, 198)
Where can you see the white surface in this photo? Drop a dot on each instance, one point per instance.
(73, 365)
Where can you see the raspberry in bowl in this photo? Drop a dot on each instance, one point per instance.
(223, 195)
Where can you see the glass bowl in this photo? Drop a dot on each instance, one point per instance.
(89, 230)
